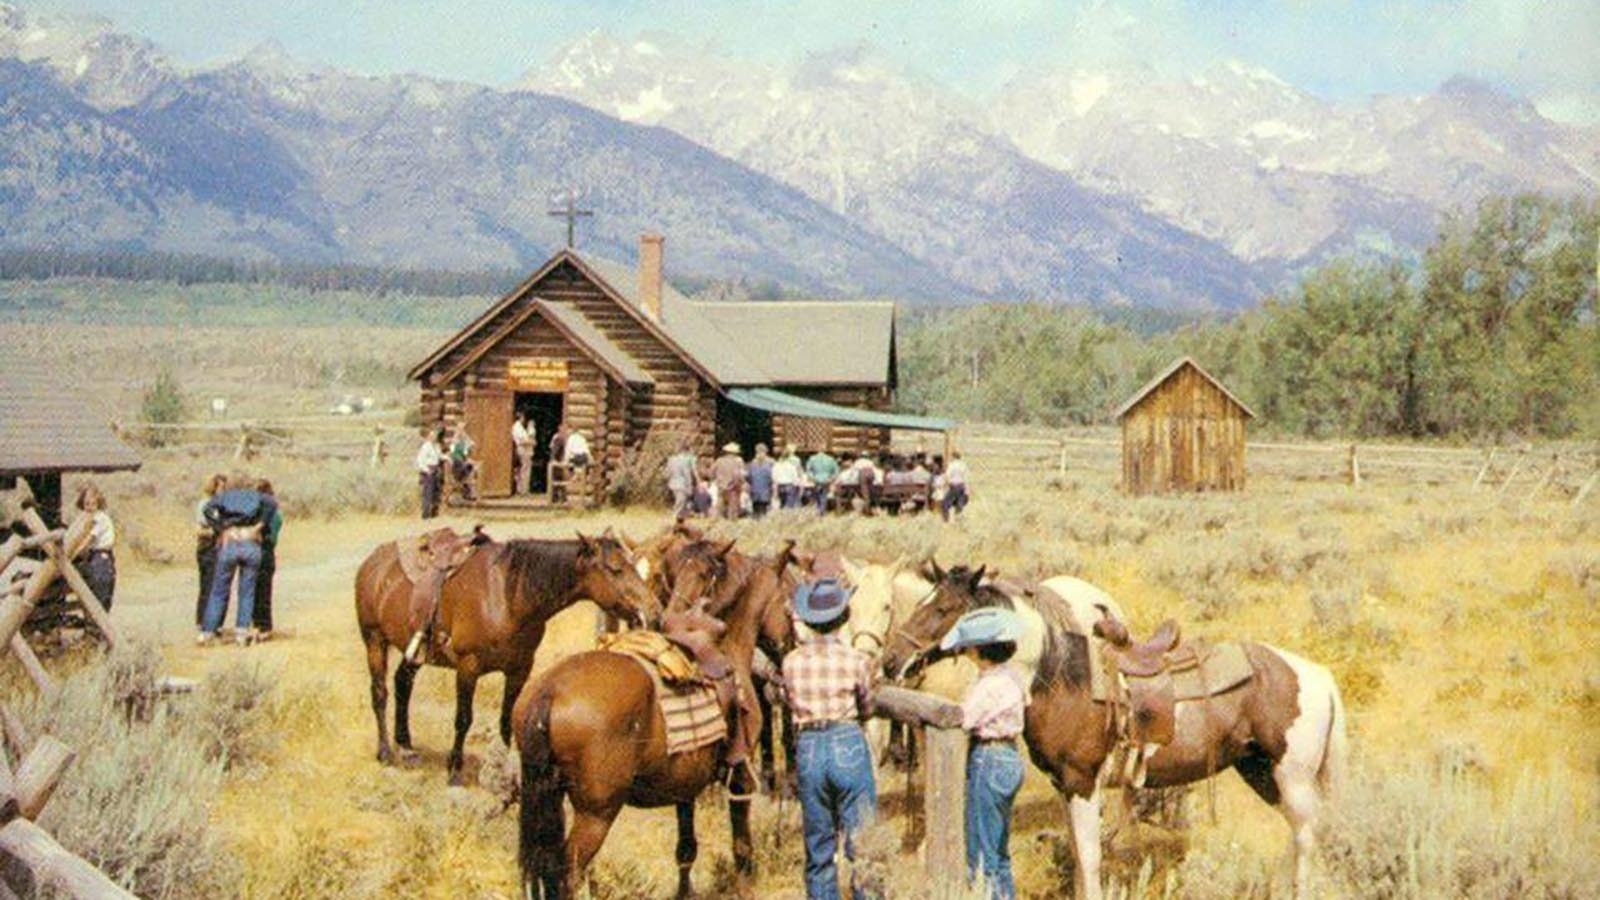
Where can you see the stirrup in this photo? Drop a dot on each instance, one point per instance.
(746, 797)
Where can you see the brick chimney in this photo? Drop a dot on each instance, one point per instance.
(650, 253)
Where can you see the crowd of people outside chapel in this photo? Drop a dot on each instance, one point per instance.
(731, 486)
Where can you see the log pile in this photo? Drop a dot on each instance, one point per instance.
(31, 862)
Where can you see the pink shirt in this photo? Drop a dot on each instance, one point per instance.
(995, 704)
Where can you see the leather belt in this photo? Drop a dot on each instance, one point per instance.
(824, 724)
(995, 742)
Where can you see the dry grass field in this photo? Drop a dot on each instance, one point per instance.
(1461, 625)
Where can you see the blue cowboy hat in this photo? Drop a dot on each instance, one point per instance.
(989, 625)
(820, 602)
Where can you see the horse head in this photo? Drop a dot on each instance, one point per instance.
(695, 570)
(871, 603)
(916, 641)
(606, 575)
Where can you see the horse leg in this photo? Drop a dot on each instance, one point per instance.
(515, 679)
(688, 849)
(377, 666)
(589, 829)
(405, 675)
(1085, 815)
(769, 766)
(466, 688)
(741, 788)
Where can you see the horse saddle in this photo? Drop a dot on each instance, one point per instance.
(1162, 670)
(428, 560)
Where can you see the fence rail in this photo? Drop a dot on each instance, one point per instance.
(303, 437)
(1572, 469)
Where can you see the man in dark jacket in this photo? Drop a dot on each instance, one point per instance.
(240, 516)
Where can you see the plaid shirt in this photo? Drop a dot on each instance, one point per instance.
(826, 681)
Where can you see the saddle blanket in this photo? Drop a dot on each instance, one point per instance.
(689, 706)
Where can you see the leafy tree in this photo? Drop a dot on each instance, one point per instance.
(163, 403)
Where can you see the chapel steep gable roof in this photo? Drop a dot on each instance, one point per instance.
(727, 344)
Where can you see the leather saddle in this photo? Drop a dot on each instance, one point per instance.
(432, 559)
(1149, 671)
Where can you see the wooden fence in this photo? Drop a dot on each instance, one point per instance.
(307, 437)
(1528, 471)
(31, 862)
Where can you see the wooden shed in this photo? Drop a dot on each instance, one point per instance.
(1183, 431)
(618, 354)
(48, 429)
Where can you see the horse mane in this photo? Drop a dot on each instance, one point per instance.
(1065, 660)
(542, 570)
(1065, 656)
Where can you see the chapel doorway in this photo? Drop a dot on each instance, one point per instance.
(544, 411)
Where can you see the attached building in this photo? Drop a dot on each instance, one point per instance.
(619, 355)
(1183, 431)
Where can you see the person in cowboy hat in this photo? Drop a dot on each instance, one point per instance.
(992, 712)
(828, 685)
(729, 474)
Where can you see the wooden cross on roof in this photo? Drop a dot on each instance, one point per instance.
(571, 213)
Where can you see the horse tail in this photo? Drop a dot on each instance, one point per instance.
(1335, 747)
(542, 825)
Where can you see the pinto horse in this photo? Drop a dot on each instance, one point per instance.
(1283, 730)
(490, 617)
(590, 731)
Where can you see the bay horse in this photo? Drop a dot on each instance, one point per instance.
(590, 731)
(490, 617)
(1283, 730)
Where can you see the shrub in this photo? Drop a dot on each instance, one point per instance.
(163, 404)
(642, 479)
(137, 801)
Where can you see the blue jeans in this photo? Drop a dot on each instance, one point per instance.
(955, 497)
(245, 558)
(788, 496)
(994, 775)
(837, 793)
(822, 499)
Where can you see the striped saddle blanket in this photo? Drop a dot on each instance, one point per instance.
(688, 704)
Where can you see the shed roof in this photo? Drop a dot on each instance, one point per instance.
(790, 405)
(48, 426)
(1168, 372)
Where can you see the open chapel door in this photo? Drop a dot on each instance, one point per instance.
(488, 417)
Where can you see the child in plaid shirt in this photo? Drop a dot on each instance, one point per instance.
(829, 690)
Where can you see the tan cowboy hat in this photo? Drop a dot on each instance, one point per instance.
(730, 447)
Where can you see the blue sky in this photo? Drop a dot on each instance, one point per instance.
(1545, 49)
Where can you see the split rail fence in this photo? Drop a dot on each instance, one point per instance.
(32, 863)
(1531, 472)
(306, 438)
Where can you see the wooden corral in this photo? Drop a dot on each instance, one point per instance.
(619, 355)
(1183, 431)
(31, 862)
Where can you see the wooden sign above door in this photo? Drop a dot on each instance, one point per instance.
(537, 375)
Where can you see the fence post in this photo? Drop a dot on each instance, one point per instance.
(1488, 461)
(1355, 466)
(242, 451)
(378, 450)
(1061, 460)
(1522, 454)
(944, 789)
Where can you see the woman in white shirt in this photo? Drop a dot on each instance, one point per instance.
(100, 563)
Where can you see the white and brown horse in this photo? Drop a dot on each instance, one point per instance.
(1283, 730)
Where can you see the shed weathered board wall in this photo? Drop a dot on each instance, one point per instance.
(1185, 434)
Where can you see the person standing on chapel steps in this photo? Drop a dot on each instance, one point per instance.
(522, 445)
(992, 713)
(430, 471)
(828, 687)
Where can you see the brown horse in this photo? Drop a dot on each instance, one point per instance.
(591, 732)
(1282, 730)
(491, 615)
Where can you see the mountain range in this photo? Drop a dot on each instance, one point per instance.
(838, 175)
